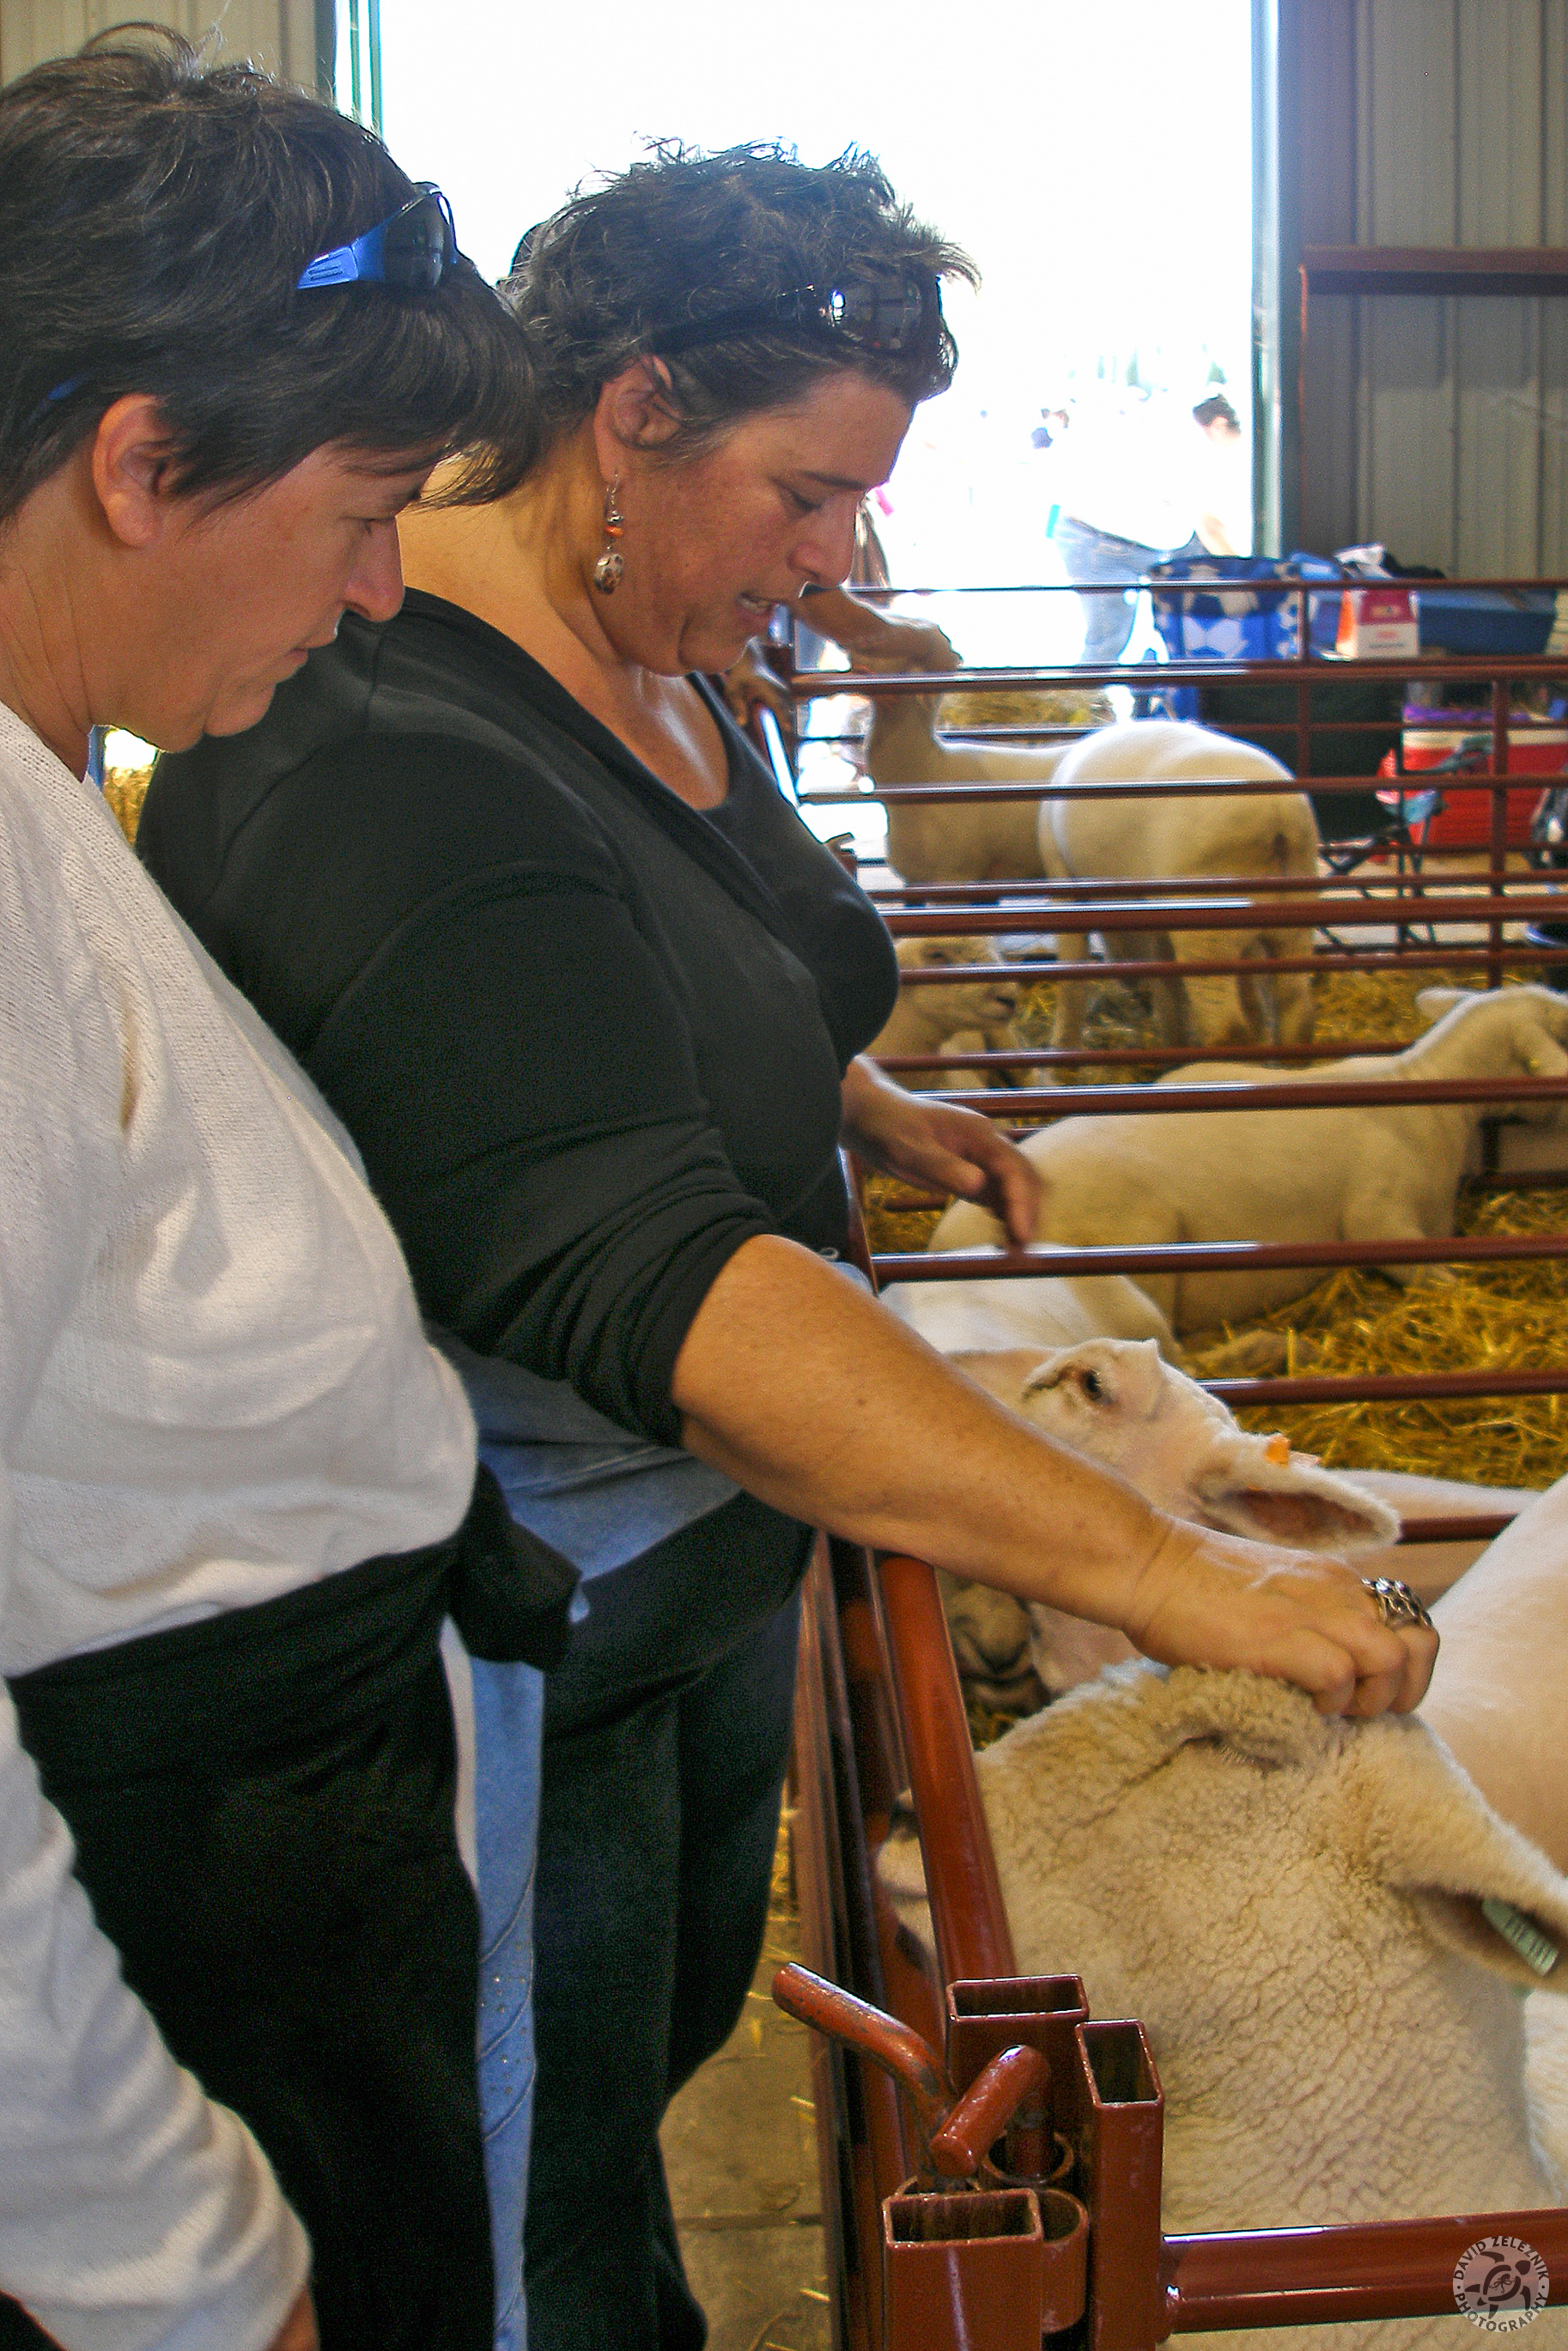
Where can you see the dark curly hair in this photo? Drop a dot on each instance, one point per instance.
(683, 236)
(156, 213)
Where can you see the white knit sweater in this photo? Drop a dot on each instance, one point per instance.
(213, 1389)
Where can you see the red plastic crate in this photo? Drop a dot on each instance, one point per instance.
(1465, 819)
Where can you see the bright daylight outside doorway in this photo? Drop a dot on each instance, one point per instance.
(1095, 159)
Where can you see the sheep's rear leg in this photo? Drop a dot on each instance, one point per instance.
(1377, 1219)
(1294, 1011)
(1214, 1012)
(1071, 996)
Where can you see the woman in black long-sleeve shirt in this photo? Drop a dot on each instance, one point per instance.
(588, 1037)
(589, 998)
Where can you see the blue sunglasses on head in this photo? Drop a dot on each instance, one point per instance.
(413, 249)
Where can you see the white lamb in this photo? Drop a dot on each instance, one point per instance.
(1271, 836)
(965, 1017)
(1375, 1174)
(1292, 1905)
(1029, 1311)
(1118, 1403)
(956, 840)
(1499, 1695)
(1123, 1406)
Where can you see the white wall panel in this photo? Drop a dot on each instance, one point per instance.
(278, 33)
(1440, 424)
(1403, 427)
(1406, 122)
(1498, 105)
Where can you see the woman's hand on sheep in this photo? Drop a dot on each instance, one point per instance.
(941, 1144)
(1209, 1599)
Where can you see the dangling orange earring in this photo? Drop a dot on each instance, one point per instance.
(607, 572)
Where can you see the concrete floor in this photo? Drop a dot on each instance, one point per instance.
(740, 2152)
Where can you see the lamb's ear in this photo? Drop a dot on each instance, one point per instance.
(1431, 1003)
(1481, 1888)
(1307, 1507)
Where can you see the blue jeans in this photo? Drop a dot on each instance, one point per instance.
(666, 1732)
(605, 1498)
(1090, 555)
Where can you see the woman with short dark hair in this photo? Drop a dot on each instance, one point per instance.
(238, 1948)
(592, 1001)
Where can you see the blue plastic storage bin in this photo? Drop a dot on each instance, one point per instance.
(1485, 620)
(1251, 614)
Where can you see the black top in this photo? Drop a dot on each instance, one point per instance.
(589, 1040)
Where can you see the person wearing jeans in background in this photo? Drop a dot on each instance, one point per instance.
(1126, 494)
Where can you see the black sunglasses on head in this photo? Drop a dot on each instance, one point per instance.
(874, 314)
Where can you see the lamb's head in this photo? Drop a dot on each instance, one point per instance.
(906, 644)
(991, 1634)
(1509, 1032)
(1292, 1904)
(1118, 1402)
(966, 1004)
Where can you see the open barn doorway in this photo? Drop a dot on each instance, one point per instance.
(1095, 159)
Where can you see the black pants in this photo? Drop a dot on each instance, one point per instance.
(667, 1730)
(263, 1810)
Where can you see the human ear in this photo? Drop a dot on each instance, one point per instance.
(130, 457)
(633, 413)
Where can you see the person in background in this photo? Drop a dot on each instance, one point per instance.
(1224, 495)
(1135, 491)
(1052, 424)
(594, 1004)
(238, 1949)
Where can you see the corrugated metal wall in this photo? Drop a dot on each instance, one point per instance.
(1438, 424)
(278, 33)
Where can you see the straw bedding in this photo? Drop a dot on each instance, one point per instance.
(1507, 1317)
(1046, 706)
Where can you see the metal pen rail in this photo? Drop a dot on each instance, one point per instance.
(901, 1720)
(960, 2274)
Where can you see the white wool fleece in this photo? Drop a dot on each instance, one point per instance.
(1290, 1902)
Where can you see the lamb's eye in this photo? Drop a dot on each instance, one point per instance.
(1091, 1384)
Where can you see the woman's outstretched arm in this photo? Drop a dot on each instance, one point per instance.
(808, 1393)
